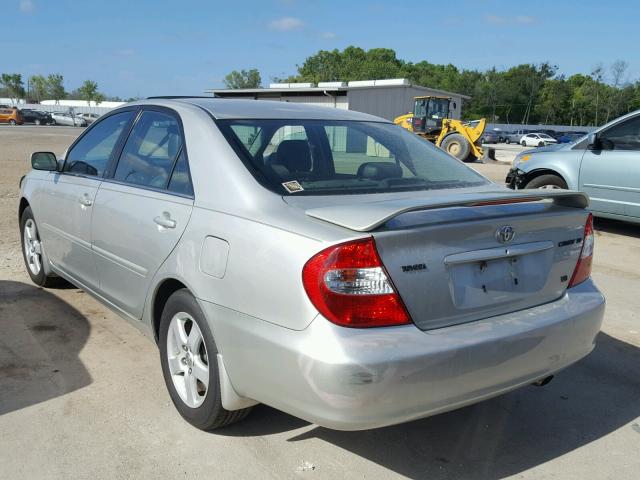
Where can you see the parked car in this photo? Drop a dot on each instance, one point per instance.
(36, 116)
(570, 137)
(68, 119)
(12, 116)
(550, 132)
(502, 136)
(489, 136)
(603, 164)
(89, 118)
(516, 135)
(537, 140)
(354, 289)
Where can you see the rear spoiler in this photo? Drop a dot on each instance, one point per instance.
(364, 217)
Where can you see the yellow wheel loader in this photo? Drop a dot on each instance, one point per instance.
(431, 119)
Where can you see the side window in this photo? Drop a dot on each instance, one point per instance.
(91, 154)
(623, 136)
(180, 181)
(151, 150)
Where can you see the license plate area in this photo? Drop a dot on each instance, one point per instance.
(477, 283)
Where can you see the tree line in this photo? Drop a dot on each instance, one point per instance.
(50, 87)
(525, 94)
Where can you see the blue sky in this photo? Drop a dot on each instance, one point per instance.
(144, 47)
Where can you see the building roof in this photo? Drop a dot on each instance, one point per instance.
(222, 108)
(321, 90)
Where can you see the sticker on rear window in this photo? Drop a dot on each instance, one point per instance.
(292, 186)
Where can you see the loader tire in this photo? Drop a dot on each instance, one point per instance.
(456, 145)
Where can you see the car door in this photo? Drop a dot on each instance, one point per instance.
(610, 174)
(68, 206)
(142, 209)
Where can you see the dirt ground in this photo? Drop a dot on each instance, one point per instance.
(82, 395)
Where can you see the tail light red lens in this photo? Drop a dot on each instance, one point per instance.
(583, 267)
(349, 286)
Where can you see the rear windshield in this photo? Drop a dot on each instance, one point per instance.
(327, 157)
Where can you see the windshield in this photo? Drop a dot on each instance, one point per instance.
(323, 157)
(439, 108)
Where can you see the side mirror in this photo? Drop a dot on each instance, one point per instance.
(44, 161)
(593, 142)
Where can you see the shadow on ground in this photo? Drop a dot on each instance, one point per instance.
(617, 227)
(40, 338)
(500, 437)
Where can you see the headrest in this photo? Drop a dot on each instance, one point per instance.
(295, 155)
(379, 170)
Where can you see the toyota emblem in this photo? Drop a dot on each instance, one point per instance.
(505, 234)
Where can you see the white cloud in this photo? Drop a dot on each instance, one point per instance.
(286, 24)
(526, 19)
(328, 35)
(26, 6)
(517, 20)
(126, 52)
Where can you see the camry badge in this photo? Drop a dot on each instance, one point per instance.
(505, 234)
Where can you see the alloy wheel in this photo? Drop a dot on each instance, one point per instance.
(188, 359)
(32, 246)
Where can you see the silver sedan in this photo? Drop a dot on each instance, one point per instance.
(602, 164)
(324, 262)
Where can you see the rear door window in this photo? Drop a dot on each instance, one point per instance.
(151, 150)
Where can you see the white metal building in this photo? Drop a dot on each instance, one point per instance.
(383, 98)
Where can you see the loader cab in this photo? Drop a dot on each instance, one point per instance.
(428, 113)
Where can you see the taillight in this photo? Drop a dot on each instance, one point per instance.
(583, 267)
(349, 286)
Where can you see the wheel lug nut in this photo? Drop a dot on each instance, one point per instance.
(189, 371)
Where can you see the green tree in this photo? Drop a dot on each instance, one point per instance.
(243, 79)
(39, 87)
(12, 82)
(89, 91)
(55, 87)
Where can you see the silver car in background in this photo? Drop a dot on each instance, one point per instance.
(68, 120)
(324, 262)
(603, 164)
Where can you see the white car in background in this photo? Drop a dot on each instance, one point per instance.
(66, 119)
(537, 140)
(88, 117)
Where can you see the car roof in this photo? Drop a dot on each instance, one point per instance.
(225, 108)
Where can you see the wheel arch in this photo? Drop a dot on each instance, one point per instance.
(542, 171)
(163, 291)
(24, 203)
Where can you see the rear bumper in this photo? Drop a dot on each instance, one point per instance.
(353, 379)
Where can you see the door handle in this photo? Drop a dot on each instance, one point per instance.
(165, 221)
(85, 201)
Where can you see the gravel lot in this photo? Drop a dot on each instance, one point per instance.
(82, 395)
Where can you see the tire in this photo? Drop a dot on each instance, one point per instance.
(541, 144)
(549, 181)
(456, 145)
(180, 316)
(508, 141)
(523, 143)
(34, 261)
(12, 122)
(37, 122)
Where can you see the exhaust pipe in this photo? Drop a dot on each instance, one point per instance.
(543, 381)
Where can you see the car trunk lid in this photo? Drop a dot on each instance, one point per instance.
(452, 259)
